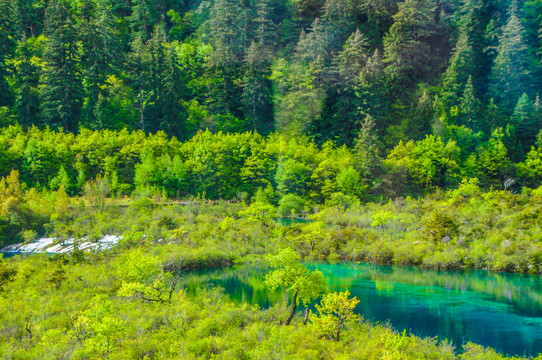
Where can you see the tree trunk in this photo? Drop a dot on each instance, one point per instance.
(293, 310)
(306, 318)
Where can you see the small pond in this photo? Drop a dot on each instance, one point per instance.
(503, 311)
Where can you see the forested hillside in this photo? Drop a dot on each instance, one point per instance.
(464, 70)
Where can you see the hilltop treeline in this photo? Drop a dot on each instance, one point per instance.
(328, 69)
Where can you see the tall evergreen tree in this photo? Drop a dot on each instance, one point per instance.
(8, 35)
(511, 69)
(265, 29)
(348, 65)
(421, 118)
(367, 148)
(257, 89)
(469, 108)
(154, 68)
(312, 45)
(224, 67)
(409, 47)
(525, 124)
(228, 40)
(351, 60)
(455, 77)
(144, 18)
(99, 53)
(61, 95)
(372, 91)
(136, 67)
(27, 78)
(171, 100)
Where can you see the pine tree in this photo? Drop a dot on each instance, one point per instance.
(408, 46)
(455, 77)
(154, 64)
(421, 118)
(99, 53)
(372, 91)
(339, 21)
(525, 124)
(144, 18)
(265, 29)
(172, 93)
(224, 65)
(312, 45)
(367, 148)
(257, 89)
(61, 96)
(348, 65)
(8, 34)
(136, 67)
(469, 108)
(472, 25)
(27, 78)
(510, 72)
(351, 61)
(228, 40)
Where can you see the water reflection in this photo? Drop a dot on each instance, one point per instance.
(503, 311)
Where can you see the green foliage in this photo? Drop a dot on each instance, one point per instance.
(429, 162)
(291, 205)
(303, 285)
(335, 312)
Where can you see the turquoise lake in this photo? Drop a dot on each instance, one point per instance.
(503, 311)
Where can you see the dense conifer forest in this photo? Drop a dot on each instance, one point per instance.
(404, 133)
(467, 71)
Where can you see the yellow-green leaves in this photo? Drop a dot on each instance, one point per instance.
(299, 281)
(142, 277)
(335, 312)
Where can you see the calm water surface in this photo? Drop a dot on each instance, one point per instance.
(503, 311)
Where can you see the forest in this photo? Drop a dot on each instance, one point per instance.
(399, 133)
(463, 70)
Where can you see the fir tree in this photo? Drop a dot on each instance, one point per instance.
(455, 77)
(265, 29)
(62, 95)
(510, 72)
(367, 148)
(144, 19)
(351, 61)
(27, 78)
(257, 89)
(312, 45)
(469, 108)
(421, 118)
(408, 46)
(525, 124)
(371, 91)
(171, 99)
(8, 34)
(99, 53)
(154, 64)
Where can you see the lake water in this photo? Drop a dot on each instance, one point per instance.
(503, 311)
